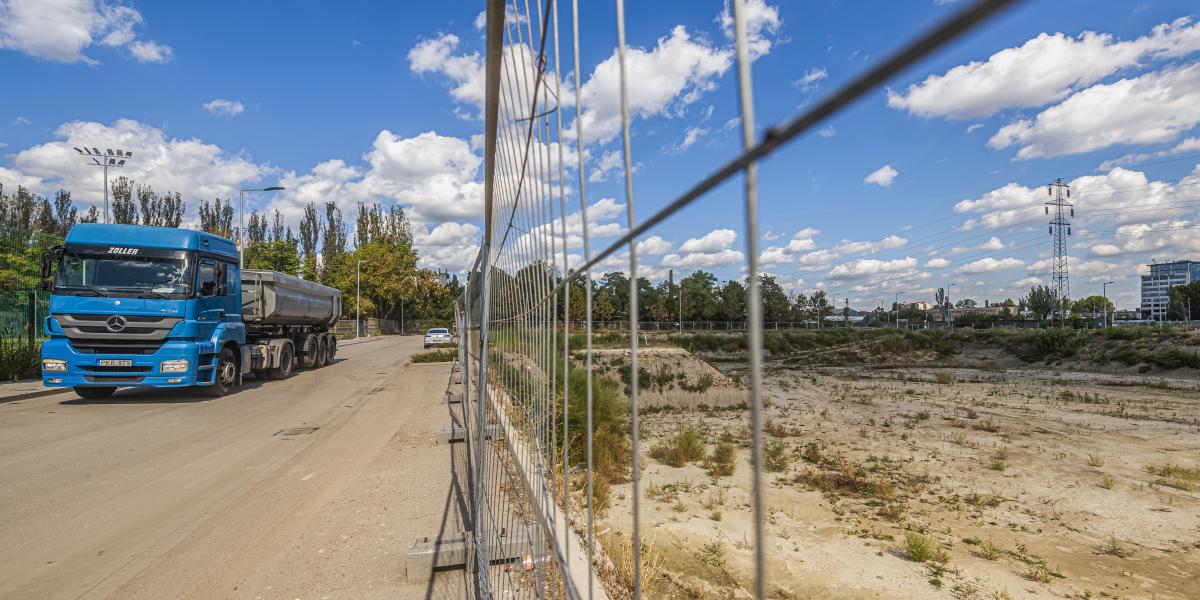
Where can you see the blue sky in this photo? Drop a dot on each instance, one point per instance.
(378, 102)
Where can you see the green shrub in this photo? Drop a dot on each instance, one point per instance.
(1045, 344)
(776, 456)
(723, 461)
(1175, 358)
(680, 449)
(19, 359)
(919, 548)
(434, 356)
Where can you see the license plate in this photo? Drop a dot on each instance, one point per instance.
(115, 362)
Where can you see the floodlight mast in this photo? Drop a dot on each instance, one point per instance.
(104, 160)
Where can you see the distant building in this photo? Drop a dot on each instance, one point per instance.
(918, 305)
(1157, 285)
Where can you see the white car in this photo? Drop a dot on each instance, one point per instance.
(438, 336)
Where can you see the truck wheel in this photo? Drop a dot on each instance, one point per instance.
(94, 393)
(308, 359)
(227, 372)
(330, 348)
(322, 351)
(287, 361)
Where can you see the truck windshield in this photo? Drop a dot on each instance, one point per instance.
(151, 275)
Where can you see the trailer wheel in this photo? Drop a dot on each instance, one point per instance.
(226, 377)
(322, 352)
(94, 393)
(287, 361)
(332, 352)
(308, 359)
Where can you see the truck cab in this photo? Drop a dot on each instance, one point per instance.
(143, 306)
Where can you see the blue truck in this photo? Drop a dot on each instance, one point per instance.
(158, 307)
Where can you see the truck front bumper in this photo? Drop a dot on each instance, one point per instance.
(84, 370)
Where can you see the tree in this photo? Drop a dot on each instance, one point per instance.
(775, 303)
(965, 303)
(310, 233)
(124, 209)
(333, 237)
(65, 214)
(1041, 301)
(216, 217)
(160, 211)
(820, 305)
(617, 285)
(1094, 304)
(700, 296)
(733, 301)
(1177, 302)
(604, 306)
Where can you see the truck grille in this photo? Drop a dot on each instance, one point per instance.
(92, 334)
(112, 379)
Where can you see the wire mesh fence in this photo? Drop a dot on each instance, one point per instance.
(546, 437)
(21, 313)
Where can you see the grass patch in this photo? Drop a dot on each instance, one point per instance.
(919, 548)
(723, 461)
(435, 356)
(1180, 478)
(1175, 358)
(679, 449)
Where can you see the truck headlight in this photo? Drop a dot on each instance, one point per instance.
(52, 364)
(173, 366)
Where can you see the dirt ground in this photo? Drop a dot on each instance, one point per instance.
(1019, 483)
(306, 488)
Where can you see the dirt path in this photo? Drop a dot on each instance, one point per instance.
(305, 488)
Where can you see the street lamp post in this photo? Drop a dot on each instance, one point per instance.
(896, 308)
(104, 160)
(242, 219)
(949, 306)
(1104, 292)
(357, 298)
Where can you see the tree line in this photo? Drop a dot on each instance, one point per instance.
(381, 250)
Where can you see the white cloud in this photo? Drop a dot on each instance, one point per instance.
(972, 127)
(669, 77)
(449, 245)
(481, 20)
(937, 263)
(810, 80)
(60, 30)
(435, 174)
(465, 71)
(1191, 144)
(762, 23)
(882, 176)
(1152, 108)
(704, 260)
(827, 132)
(713, 241)
(993, 243)
(21, 121)
(988, 265)
(189, 166)
(709, 251)
(1105, 250)
(151, 52)
(1044, 69)
(869, 266)
(1028, 282)
(690, 136)
(221, 106)
(653, 245)
(609, 161)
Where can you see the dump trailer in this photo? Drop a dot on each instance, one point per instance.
(136, 306)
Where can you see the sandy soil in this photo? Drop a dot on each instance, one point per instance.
(1029, 483)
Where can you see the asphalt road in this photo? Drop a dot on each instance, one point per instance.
(306, 488)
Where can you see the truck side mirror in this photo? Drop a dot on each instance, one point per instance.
(49, 259)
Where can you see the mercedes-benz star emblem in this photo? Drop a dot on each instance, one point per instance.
(115, 323)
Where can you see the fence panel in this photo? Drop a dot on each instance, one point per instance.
(532, 446)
